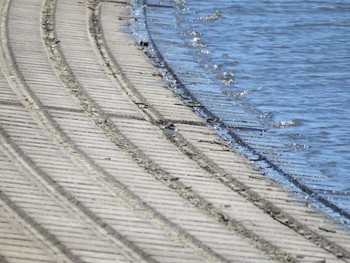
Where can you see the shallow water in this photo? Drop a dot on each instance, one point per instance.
(277, 75)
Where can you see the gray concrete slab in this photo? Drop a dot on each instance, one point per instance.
(86, 174)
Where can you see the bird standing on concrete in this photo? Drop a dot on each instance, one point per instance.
(169, 130)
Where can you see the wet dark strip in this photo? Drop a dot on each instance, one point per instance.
(159, 6)
(115, 2)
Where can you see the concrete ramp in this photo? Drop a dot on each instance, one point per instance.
(87, 175)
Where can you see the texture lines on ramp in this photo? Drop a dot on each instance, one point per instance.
(268, 207)
(66, 200)
(91, 157)
(109, 208)
(101, 120)
(45, 119)
(180, 187)
(164, 177)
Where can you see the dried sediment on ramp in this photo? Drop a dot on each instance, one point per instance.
(87, 175)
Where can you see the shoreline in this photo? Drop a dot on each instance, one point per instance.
(104, 176)
(238, 136)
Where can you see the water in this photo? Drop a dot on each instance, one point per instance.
(276, 73)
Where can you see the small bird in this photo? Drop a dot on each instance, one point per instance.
(169, 130)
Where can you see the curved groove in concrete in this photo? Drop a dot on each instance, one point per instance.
(3, 259)
(57, 135)
(57, 249)
(154, 117)
(102, 121)
(67, 201)
(198, 157)
(116, 73)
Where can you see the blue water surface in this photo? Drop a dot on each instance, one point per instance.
(282, 66)
(296, 56)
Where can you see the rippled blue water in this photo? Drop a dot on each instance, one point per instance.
(280, 65)
(295, 55)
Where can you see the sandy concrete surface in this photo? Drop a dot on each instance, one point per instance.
(86, 174)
